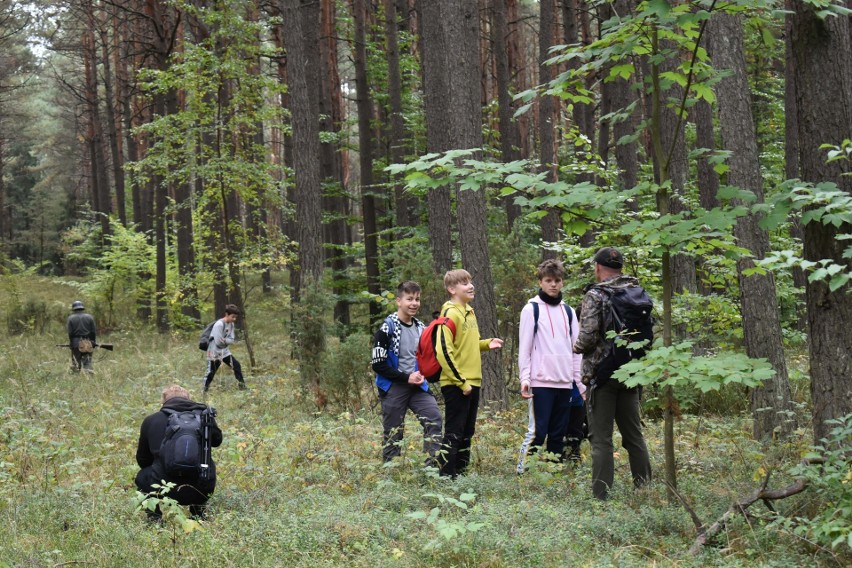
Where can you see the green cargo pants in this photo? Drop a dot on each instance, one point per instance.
(615, 403)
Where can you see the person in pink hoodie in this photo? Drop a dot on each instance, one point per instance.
(549, 368)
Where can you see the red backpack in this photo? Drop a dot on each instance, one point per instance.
(427, 361)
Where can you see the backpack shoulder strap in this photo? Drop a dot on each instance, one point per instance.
(535, 317)
(448, 321)
(570, 319)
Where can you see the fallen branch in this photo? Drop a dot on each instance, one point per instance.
(740, 507)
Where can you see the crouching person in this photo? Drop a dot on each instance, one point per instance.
(174, 447)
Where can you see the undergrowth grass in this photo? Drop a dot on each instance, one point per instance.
(302, 487)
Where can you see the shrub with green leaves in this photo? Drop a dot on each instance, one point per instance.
(829, 476)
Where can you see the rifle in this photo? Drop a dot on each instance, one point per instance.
(207, 415)
(107, 346)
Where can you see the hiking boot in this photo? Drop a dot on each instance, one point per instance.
(242, 386)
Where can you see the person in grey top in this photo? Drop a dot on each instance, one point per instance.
(218, 349)
(81, 326)
(401, 385)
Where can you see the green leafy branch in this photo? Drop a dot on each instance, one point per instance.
(677, 366)
(449, 531)
(823, 203)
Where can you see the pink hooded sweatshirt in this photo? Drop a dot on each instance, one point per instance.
(548, 360)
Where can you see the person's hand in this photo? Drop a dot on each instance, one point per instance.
(467, 390)
(525, 390)
(415, 378)
(495, 343)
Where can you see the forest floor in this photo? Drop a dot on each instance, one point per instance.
(300, 487)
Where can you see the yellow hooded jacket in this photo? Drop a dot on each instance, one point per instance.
(459, 355)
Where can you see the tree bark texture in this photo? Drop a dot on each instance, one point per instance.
(626, 153)
(460, 25)
(404, 203)
(509, 136)
(305, 124)
(112, 130)
(823, 60)
(675, 162)
(761, 323)
(436, 58)
(332, 168)
(365, 157)
(546, 125)
(708, 180)
(101, 201)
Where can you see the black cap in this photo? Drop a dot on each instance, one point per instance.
(609, 257)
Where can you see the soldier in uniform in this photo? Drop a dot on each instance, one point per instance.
(81, 337)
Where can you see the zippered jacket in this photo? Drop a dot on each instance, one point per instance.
(460, 356)
(385, 355)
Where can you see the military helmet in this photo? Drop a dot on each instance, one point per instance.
(77, 305)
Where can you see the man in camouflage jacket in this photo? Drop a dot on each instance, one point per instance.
(609, 401)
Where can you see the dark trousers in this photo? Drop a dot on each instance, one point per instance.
(613, 403)
(398, 399)
(194, 492)
(214, 364)
(459, 426)
(550, 413)
(575, 432)
(81, 360)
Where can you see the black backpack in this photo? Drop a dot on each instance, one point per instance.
(204, 340)
(630, 317)
(182, 450)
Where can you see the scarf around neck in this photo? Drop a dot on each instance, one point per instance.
(550, 300)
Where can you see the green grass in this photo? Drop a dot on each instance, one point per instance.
(298, 487)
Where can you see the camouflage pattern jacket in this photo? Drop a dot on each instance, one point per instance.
(594, 322)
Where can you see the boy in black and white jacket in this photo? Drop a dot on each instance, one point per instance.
(401, 386)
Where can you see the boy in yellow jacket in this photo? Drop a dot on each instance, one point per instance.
(461, 371)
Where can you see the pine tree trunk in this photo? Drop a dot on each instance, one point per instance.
(821, 48)
(365, 157)
(684, 277)
(435, 49)
(116, 158)
(761, 325)
(306, 139)
(546, 119)
(791, 152)
(97, 166)
(509, 138)
(625, 153)
(404, 204)
(459, 23)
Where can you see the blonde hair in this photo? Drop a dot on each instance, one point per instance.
(174, 391)
(455, 277)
